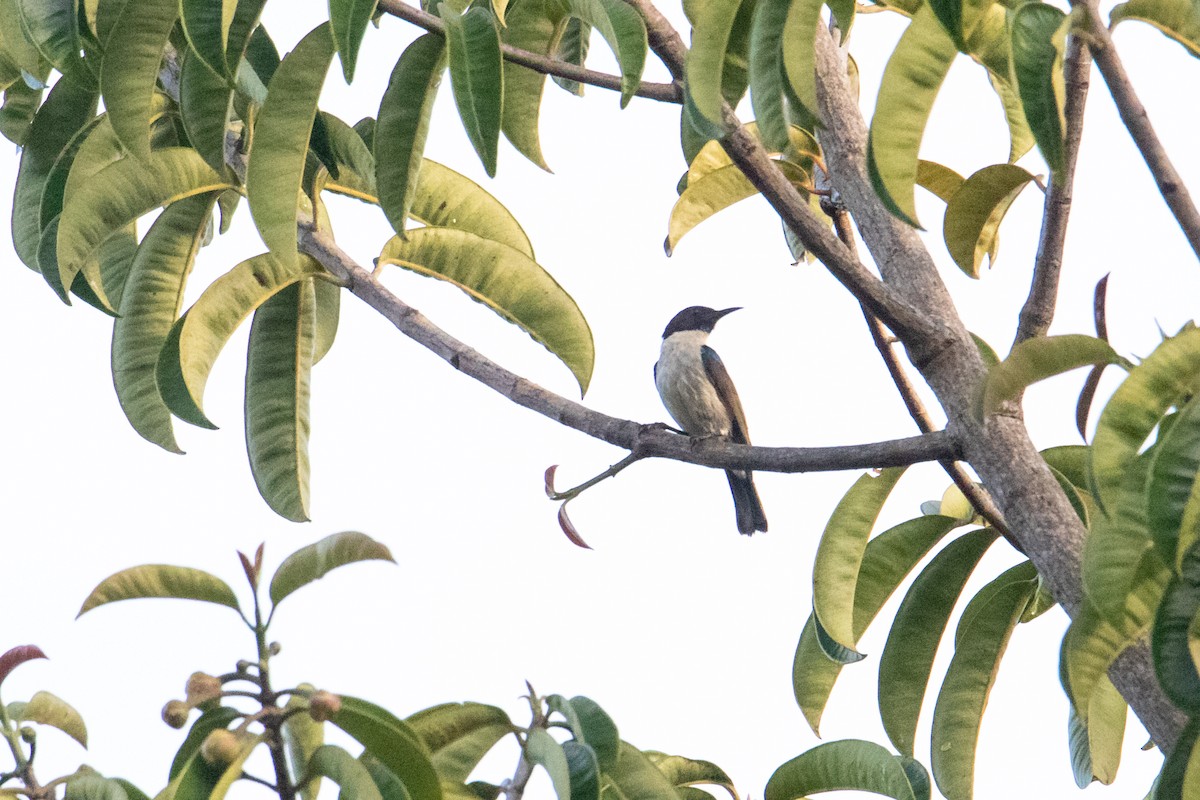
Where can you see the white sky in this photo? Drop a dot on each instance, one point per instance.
(683, 630)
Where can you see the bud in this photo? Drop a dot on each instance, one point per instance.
(322, 705)
(221, 747)
(175, 713)
(28, 735)
(202, 687)
(275, 648)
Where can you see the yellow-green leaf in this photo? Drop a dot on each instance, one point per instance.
(47, 709)
(911, 81)
(715, 192)
(1039, 358)
(1178, 19)
(536, 27)
(973, 215)
(133, 54)
(315, 561)
(276, 168)
(160, 580)
(506, 281)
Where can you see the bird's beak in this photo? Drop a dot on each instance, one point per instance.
(723, 312)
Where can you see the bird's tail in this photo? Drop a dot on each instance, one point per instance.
(750, 516)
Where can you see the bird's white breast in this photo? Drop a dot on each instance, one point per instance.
(685, 388)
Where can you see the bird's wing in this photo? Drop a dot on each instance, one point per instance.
(729, 397)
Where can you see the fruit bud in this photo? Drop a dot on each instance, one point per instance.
(202, 687)
(275, 648)
(175, 713)
(221, 747)
(322, 705)
(28, 735)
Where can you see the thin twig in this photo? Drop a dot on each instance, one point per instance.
(1038, 311)
(1137, 122)
(663, 92)
(980, 500)
(644, 441)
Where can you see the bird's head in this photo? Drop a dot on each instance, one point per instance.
(696, 318)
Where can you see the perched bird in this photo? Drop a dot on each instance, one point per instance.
(697, 391)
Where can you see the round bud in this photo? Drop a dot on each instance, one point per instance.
(322, 705)
(202, 687)
(175, 713)
(275, 648)
(221, 747)
(28, 735)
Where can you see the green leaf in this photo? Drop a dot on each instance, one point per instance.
(536, 27)
(197, 338)
(506, 281)
(403, 125)
(1178, 19)
(207, 26)
(348, 20)
(799, 51)
(848, 764)
(459, 735)
(1137, 405)
(1180, 774)
(16, 114)
(340, 767)
(68, 108)
(317, 560)
(684, 772)
(583, 770)
(1092, 643)
(767, 71)
(393, 742)
(50, 26)
(386, 781)
(151, 302)
(1038, 39)
(911, 81)
(840, 552)
(711, 32)
(206, 723)
(303, 736)
(205, 103)
(87, 785)
(637, 778)
(973, 215)
(541, 749)
(1039, 358)
(590, 724)
(120, 193)
(161, 580)
(1071, 461)
(912, 643)
(129, 72)
(131, 792)
(573, 48)
(278, 370)
(1096, 744)
(959, 17)
(888, 558)
(981, 643)
(46, 709)
(1171, 482)
(716, 191)
(1020, 135)
(16, 47)
(232, 772)
(624, 31)
(477, 78)
(276, 167)
(1170, 640)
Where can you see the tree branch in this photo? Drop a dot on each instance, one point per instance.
(663, 92)
(645, 441)
(1038, 311)
(1137, 122)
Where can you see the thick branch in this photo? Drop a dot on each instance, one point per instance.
(663, 92)
(1038, 311)
(1137, 122)
(1000, 451)
(643, 440)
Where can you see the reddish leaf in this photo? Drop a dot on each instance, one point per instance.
(568, 528)
(248, 568)
(19, 655)
(550, 470)
(1084, 406)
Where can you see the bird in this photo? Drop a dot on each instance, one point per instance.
(695, 387)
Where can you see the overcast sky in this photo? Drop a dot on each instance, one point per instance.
(682, 629)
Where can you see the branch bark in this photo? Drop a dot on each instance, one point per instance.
(1038, 311)
(663, 92)
(643, 440)
(1137, 122)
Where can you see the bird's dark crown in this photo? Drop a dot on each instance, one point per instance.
(696, 318)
